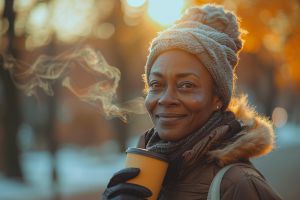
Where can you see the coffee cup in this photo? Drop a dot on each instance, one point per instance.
(153, 168)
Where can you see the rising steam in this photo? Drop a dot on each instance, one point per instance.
(46, 71)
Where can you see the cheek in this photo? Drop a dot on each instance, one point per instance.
(198, 103)
(150, 103)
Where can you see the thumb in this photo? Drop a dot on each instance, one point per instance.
(123, 176)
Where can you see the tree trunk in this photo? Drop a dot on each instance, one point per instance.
(12, 112)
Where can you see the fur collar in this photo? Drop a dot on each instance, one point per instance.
(255, 140)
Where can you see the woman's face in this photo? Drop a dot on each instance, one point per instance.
(180, 97)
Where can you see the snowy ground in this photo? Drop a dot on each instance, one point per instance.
(79, 170)
(82, 170)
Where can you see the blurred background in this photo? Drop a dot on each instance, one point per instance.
(58, 146)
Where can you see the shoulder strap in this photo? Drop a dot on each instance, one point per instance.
(214, 189)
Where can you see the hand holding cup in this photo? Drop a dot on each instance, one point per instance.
(117, 187)
(153, 168)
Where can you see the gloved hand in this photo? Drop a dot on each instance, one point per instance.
(118, 189)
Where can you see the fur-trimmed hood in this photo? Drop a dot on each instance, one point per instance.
(256, 139)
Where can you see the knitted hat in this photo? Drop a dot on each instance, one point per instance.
(210, 33)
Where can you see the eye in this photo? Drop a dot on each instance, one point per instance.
(154, 85)
(186, 85)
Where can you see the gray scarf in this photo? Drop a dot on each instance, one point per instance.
(208, 133)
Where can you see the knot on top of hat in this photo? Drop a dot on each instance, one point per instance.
(217, 18)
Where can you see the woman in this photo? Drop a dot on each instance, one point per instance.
(189, 78)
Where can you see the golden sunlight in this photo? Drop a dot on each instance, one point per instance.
(165, 12)
(38, 17)
(37, 26)
(70, 18)
(136, 3)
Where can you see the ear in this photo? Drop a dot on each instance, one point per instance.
(217, 103)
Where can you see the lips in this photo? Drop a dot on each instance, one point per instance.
(167, 118)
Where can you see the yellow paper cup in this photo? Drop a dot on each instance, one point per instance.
(153, 168)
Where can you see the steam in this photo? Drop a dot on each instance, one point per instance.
(46, 71)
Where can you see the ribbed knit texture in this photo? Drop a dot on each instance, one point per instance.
(210, 33)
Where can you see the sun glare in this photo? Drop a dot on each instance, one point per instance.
(165, 12)
(135, 3)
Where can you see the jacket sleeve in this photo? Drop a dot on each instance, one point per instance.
(242, 183)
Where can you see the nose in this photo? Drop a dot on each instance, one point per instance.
(168, 98)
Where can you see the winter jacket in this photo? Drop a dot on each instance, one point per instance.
(242, 181)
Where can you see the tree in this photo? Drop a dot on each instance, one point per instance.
(12, 112)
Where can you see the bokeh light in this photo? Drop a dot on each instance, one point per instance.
(39, 16)
(279, 117)
(133, 11)
(165, 12)
(38, 26)
(135, 3)
(70, 18)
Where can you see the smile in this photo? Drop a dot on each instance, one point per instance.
(169, 117)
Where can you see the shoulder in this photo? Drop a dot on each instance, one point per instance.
(240, 172)
(244, 181)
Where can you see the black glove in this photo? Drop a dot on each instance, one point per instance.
(118, 189)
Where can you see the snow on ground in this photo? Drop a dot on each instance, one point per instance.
(79, 170)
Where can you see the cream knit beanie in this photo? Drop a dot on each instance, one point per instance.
(210, 33)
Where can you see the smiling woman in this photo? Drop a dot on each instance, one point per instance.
(199, 125)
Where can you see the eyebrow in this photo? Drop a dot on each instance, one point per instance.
(181, 75)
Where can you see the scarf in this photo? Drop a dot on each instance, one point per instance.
(219, 129)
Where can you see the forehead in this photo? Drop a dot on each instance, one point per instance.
(178, 62)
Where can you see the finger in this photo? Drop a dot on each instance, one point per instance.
(123, 175)
(129, 189)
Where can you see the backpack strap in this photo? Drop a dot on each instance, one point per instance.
(214, 189)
